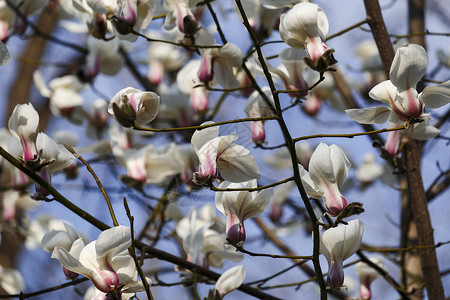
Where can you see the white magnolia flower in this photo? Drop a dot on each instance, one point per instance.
(399, 92)
(219, 154)
(189, 84)
(11, 281)
(218, 63)
(230, 280)
(337, 244)
(367, 274)
(305, 26)
(54, 157)
(239, 206)
(106, 261)
(328, 169)
(24, 125)
(257, 107)
(131, 105)
(64, 94)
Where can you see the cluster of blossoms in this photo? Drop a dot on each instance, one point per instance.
(212, 159)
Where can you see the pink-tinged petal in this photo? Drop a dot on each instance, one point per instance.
(258, 132)
(24, 124)
(206, 70)
(373, 115)
(312, 105)
(435, 96)
(408, 67)
(408, 103)
(393, 143)
(129, 11)
(230, 280)
(199, 99)
(335, 274)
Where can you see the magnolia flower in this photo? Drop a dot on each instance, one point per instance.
(325, 92)
(218, 154)
(188, 83)
(256, 107)
(15, 204)
(305, 26)
(262, 18)
(179, 13)
(102, 57)
(11, 281)
(23, 124)
(366, 275)
(26, 8)
(369, 170)
(105, 262)
(230, 280)
(328, 169)
(203, 243)
(399, 92)
(54, 158)
(337, 244)
(218, 63)
(239, 206)
(164, 57)
(97, 114)
(65, 100)
(132, 106)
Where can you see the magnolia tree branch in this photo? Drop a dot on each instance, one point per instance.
(411, 155)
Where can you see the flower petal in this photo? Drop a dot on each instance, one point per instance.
(408, 67)
(372, 115)
(435, 96)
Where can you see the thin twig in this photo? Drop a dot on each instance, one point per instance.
(99, 184)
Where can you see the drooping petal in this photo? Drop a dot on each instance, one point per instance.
(372, 115)
(71, 263)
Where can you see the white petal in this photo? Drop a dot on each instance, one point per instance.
(230, 280)
(341, 164)
(384, 91)
(373, 115)
(408, 67)
(40, 85)
(110, 242)
(201, 137)
(70, 262)
(435, 96)
(238, 168)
